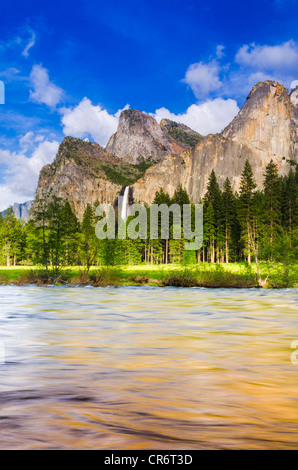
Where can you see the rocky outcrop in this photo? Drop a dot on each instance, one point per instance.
(139, 137)
(265, 128)
(21, 211)
(82, 173)
(294, 123)
(181, 133)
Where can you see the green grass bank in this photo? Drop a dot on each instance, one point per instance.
(234, 275)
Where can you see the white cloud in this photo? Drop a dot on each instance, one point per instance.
(30, 44)
(8, 197)
(240, 82)
(44, 154)
(294, 84)
(220, 51)
(252, 63)
(44, 91)
(27, 140)
(20, 173)
(203, 78)
(211, 116)
(88, 120)
(262, 62)
(11, 74)
(279, 58)
(25, 40)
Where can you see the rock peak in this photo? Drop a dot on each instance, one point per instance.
(134, 117)
(266, 85)
(265, 128)
(139, 137)
(262, 120)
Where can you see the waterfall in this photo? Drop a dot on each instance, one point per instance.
(124, 203)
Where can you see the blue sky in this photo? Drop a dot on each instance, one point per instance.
(70, 67)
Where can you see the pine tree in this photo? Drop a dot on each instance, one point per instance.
(229, 213)
(176, 250)
(89, 245)
(180, 196)
(209, 232)
(247, 206)
(161, 198)
(40, 217)
(55, 209)
(213, 198)
(290, 207)
(33, 253)
(11, 237)
(110, 251)
(70, 231)
(272, 199)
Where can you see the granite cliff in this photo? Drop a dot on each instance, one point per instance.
(83, 172)
(265, 128)
(21, 211)
(147, 156)
(139, 137)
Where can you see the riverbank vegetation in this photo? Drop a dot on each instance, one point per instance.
(249, 239)
(239, 275)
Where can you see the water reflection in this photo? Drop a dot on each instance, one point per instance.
(148, 368)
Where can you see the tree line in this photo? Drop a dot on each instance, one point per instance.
(241, 226)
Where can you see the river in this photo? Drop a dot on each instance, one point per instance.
(148, 368)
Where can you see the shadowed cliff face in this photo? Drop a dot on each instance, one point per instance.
(78, 175)
(264, 129)
(83, 172)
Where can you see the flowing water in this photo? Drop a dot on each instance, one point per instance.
(148, 368)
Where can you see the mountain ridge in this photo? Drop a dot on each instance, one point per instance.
(20, 210)
(139, 136)
(265, 128)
